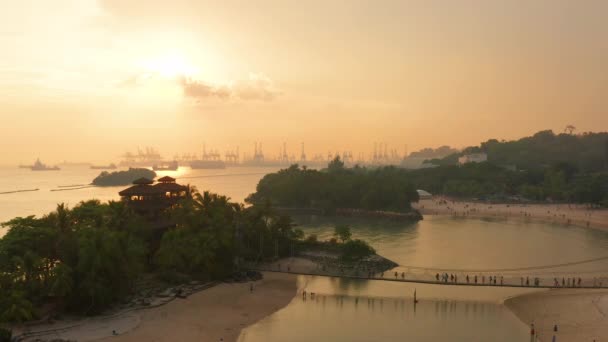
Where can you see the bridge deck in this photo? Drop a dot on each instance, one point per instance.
(421, 281)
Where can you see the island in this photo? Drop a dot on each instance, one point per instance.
(125, 177)
(382, 192)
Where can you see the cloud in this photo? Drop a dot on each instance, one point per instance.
(200, 90)
(256, 87)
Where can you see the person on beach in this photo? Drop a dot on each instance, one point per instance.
(475, 279)
(483, 279)
(554, 339)
(467, 278)
(501, 280)
(527, 281)
(437, 277)
(579, 282)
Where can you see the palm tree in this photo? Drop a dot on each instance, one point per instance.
(15, 307)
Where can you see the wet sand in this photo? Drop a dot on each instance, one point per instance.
(580, 315)
(215, 314)
(567, 214)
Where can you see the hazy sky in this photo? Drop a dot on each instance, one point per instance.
(87, 80)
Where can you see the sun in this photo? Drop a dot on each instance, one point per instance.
(170, 66)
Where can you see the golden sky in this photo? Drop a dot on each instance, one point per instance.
(88, 80)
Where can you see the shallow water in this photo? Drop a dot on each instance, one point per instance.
(447, 242)
(371, 310)
(361, 310)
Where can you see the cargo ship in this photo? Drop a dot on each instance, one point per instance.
(104, 167)
(39, 166)
(167, 166)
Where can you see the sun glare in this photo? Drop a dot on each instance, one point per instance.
(170, 66)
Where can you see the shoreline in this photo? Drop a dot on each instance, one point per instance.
(575, 215)
(580, 315)
(218, 313)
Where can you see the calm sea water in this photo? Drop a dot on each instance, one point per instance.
(236, 183)
(360, 310)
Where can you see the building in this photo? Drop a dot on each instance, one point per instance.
(150, 200)
(473, 158)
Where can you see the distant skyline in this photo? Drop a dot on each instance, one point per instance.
(85, 80)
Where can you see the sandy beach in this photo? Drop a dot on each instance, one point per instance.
(567, 214)
(215, 314)
(580, 315)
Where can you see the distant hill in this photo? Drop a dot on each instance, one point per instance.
(416, 159)
(545, 166)
(587, 152)
(122, 177)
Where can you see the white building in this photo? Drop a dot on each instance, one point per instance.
(473, 158)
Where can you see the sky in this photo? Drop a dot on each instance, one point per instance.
(86, 80)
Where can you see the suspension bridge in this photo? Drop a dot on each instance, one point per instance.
(540, 276)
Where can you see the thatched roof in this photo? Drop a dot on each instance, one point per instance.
(166, 179)
(157, 189)
(143, 180)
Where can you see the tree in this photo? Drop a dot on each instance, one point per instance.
(569, 129)
(356, 249)
(14, 307)
(335, 165)
(342, 232)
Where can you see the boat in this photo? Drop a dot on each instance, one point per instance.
(207, 164)
(104, 167)
(39, 166)
(169, 166)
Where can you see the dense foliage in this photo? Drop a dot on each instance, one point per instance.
(587, 152)
(126, 177)
(356, 249)
(561, 167)
(87, 258)
(386, 188)
(82, 258)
